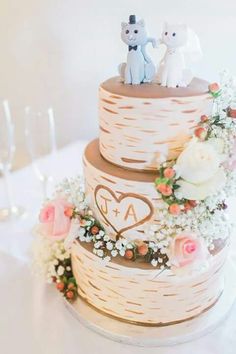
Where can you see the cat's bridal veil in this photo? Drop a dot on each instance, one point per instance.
(192, 50)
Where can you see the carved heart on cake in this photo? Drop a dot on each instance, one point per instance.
(124, 212)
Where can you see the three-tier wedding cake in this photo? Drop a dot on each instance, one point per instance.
(146, 240)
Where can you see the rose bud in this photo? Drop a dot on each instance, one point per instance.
(129, 254)
(174, 209)
(164, 189)
(193, 203)
(187, 206)
(232, 110)
(60, 286)
(94, 230)
(143, 249)
(70, 295)
(214, 87)
(204, 118)
(69, 212)
(200, 133)
(169, 172)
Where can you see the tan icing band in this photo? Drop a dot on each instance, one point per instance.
(118, 200)
(132, 161)
(93, 156)
(153, 90)
(139, 263)
(145, 324)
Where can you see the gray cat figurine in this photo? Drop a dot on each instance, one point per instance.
(139, 67)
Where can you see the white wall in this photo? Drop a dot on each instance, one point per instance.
(57, 51)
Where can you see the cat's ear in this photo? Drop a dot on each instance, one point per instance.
(141, 23)
(123, 24)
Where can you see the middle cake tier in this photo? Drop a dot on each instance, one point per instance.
(125, 202)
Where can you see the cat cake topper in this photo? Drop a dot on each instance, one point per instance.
(182, 44)
(139, 67)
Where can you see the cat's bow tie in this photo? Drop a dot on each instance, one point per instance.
(135, 47)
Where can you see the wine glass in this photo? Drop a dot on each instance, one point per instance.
(41, 141)
(7, 148)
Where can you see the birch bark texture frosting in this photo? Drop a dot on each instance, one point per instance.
(137, 295)
(141, 124)
(124, 201)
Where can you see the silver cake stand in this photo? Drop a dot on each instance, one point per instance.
(142, 336)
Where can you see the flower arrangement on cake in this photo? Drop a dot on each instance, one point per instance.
(193, 188)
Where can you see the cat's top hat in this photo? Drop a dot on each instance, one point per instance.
(132, 19)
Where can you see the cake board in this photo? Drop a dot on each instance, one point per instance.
(146, 336)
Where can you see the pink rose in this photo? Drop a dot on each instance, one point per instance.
(232, 112)
(214, 87)
(186, 249)
(55, 218)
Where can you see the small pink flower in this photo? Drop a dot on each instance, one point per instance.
(174, 209)
(55, 219)
(186, 249)
(169, 172)
(69, 211)
(214, 87)
(200, 133)
(204, 118)
(164, 189)
(232, 110)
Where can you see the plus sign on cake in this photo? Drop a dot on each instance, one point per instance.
(145, 238)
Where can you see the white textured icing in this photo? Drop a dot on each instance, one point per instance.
(135, 132)
(123, 206)
(137, 295)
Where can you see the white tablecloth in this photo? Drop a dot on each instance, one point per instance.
(33, 318)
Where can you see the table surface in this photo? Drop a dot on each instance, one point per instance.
(33, 318)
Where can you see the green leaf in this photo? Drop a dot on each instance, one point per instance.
(149, 255)
(161, 180)
(72, 280)
(161, 170)
(216, 94)
(168, 200)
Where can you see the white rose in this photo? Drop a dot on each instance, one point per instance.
(201, 191)
(199, 167)
(198, 162)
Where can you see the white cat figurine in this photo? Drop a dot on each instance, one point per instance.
(173, 71)
(139, 67)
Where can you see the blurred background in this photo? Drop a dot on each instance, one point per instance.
(56, 52)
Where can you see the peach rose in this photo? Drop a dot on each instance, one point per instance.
(55, 219)
(164, 189)
(214, 87)
(186, 249)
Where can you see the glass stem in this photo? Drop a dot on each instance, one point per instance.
(7, 185)
(44, 187)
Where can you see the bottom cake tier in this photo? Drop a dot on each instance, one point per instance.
(141, 294)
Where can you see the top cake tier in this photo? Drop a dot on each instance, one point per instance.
(141, 124)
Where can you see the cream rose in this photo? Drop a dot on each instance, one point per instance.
(199, 167)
